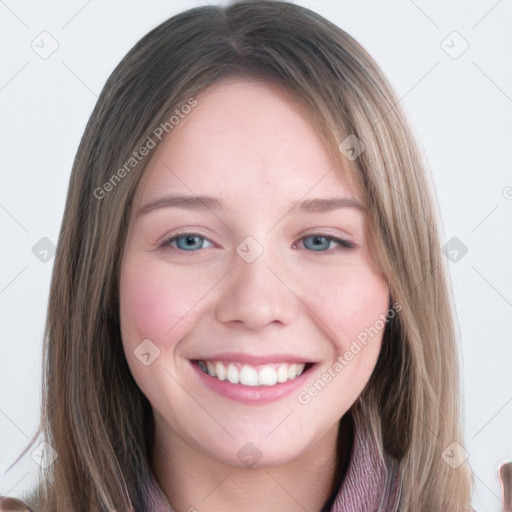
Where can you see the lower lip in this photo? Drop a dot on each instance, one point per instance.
(251, 394)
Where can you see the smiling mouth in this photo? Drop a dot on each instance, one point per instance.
(253, 375)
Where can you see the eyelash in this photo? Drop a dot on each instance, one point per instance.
(343, 243)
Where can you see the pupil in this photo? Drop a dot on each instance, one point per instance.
(318, 242)
(191, 242)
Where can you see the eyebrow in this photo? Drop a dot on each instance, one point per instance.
(214, 204)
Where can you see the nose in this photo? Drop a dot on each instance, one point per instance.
(256, 295)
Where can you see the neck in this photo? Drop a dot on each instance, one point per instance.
(193, 481)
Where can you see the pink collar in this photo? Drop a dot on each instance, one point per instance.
(371, 483)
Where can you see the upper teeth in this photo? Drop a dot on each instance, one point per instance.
(239, 373)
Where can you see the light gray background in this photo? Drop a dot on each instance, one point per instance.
(460, 109)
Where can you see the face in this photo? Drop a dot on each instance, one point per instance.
(251, 311)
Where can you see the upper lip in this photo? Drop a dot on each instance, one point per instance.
(252, 359)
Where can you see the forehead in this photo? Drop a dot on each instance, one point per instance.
(245, 138)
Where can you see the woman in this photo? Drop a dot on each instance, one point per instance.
(249, 309)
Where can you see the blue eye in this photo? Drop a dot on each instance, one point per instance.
(317, 242)
(186, 241)
(321, 243)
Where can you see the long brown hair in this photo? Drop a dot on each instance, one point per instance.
(93, 414)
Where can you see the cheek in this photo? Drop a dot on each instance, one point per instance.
(350, 302)
(351, 305)
(154, 304)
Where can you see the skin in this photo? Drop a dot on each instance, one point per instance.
(249, 145)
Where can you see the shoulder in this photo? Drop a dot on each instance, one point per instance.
(8, 504)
